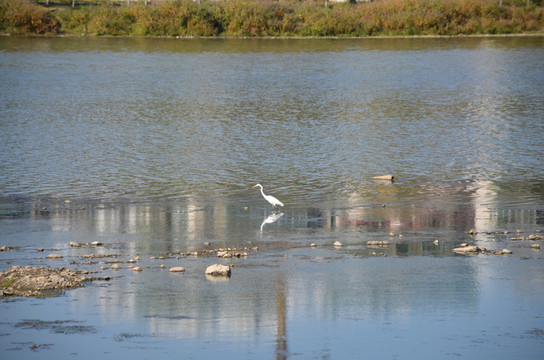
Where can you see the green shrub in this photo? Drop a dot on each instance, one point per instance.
(22, 18)
(277, 18)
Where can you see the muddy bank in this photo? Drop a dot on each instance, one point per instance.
(38, 281)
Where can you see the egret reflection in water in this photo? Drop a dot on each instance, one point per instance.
(271, 219)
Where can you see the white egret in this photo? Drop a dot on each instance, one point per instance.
(272, 200)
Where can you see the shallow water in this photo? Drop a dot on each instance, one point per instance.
(151, 147)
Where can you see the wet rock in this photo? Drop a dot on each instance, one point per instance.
(115, 267)
(223, 254)
(98, 256)
(94, 243)
(338, 244)
(218, 270)
(31, 281)
(177, 269)
(469, 249)
(54, 256)
(532, 237)
(136, 269)
(384, 177)
(313, 245)
(472, 232)
(5, 248)
(535, 246)
(435, 242)
(377, 243)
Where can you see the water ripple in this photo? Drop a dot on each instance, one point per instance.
(310, 124)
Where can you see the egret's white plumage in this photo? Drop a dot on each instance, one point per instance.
(272, 200)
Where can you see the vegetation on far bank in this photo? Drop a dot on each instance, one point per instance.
(281, 18)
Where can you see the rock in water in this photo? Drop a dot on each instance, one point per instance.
(471, 249)
(29, 281)
(218, 270)
(177, 269)
(384, 177)
(377, 243)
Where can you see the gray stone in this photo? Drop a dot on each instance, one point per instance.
(469, 249)
(218, 270)
(384, 177)
(377, 243)
(177, 269)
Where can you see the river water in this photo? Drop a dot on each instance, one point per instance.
(151, 147)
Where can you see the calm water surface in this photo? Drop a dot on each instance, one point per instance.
(151, 147)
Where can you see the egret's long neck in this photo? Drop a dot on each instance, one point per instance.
(262, 192)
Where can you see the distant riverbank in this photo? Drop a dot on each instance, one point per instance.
(242, 18)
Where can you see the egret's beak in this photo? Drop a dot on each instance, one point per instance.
(254, 186)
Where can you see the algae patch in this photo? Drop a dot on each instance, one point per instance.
(66, 327)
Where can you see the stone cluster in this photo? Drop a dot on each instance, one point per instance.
(37, 281)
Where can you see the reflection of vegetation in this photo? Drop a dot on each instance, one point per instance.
(273, 18)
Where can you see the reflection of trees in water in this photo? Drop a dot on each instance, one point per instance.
(185, 224)
(281, 316)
